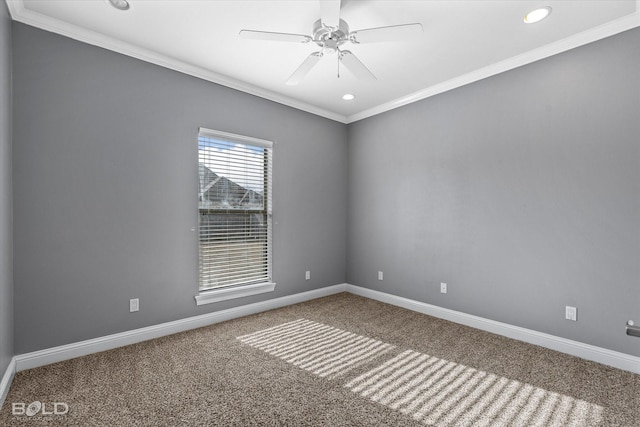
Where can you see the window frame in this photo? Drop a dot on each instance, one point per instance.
(226, 292)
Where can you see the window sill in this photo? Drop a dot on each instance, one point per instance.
(222, 294)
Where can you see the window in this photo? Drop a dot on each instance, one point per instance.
(234, 204)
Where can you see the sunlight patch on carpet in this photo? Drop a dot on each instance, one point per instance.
(324, 350)
(442, 393)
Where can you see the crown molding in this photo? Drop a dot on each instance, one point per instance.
(594, 34)
(21, 14)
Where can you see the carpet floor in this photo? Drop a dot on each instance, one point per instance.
(342, 360)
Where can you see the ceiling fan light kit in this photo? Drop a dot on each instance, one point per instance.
(330, 33)
(329, 38)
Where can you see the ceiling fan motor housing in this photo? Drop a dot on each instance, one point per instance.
(329, 38)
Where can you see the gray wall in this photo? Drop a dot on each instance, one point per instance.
(6, 279)
(521, 191)
(105, 181)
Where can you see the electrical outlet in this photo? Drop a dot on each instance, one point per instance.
(307, 275)
(134, 305)
(380, 275)
(443, 288)
(571, 313)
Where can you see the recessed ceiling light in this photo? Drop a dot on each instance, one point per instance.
(348, 97)
(537, 15)
(119, 4)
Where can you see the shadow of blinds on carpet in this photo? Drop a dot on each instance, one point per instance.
(438, 392)
(318, 348)
(430, 390)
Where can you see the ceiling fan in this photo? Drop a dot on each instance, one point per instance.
(330, 33)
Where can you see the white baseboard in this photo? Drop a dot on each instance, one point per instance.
(56, 354)
(612, 358)
(82, 348)
(7, 379)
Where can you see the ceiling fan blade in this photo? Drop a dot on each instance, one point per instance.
(385, 34)
(278, 37)
(330, 13)
(304, 68)
(354, 65)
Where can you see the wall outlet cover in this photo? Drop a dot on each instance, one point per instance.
(571, 313)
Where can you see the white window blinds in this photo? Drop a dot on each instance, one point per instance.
(234, 201)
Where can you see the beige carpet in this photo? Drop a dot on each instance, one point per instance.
(336, 361)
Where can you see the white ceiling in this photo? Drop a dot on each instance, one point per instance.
(463, 41)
